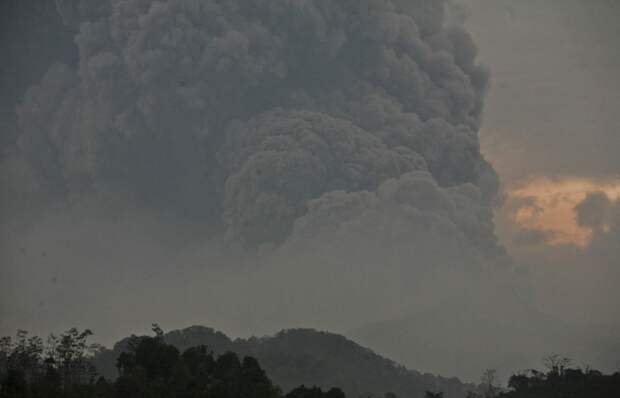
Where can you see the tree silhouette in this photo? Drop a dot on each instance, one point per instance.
(152, 368)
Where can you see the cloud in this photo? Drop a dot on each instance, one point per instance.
(332, 145)
(531, 237)
(601, 214)
(565, 209)
(189, 107)
(594, 211)
(429, 225)
(281, 160)
(571, 279)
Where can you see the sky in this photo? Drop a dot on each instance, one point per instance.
(550, 130)
(443, 187)
(555, 86)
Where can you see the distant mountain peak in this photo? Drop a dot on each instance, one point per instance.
(293, 357)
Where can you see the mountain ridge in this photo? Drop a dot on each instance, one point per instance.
(293, 357)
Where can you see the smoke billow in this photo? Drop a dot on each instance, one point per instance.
(339, 138)
(237, 114)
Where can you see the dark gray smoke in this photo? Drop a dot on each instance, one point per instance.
(338, 137)
(236, 114)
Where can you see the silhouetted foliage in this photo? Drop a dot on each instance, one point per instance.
(149, 368)
(563, 382)
(558, 381)
(314, 392)
(304, 356)
(30, 368)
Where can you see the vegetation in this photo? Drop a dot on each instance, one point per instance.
(30, 368)
(151, 367)
(560, 380)
(304, 356)
(314, 392)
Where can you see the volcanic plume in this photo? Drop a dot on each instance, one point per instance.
(237, 114)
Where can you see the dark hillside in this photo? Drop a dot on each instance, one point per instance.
(304, 356)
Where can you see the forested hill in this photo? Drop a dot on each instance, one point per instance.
(304, 356)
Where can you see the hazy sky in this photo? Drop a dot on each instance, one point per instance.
(185, 169)
(550, 116)
(555, 86)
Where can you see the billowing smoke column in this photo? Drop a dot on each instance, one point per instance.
(336, 140)
(240, 113)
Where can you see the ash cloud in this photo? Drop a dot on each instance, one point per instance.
(339, 139)
(233, 114)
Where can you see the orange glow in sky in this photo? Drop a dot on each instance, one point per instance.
(548, 205)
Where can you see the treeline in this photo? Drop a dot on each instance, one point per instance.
(563, 381)
(292, 357)
(150, 368)
(559, 380)
(61, 367)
